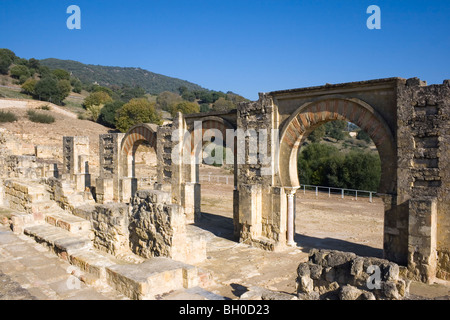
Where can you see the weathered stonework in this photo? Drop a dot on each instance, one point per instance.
(407, 120)
(107, 184)
(158, 229)
(76, 161)
(110, 225)
(345, 276)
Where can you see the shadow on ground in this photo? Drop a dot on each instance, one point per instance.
(308, 242)
(218, 225)
(223, 227)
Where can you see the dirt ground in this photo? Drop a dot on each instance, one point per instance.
(321, 222)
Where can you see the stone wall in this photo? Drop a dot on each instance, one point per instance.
(158, 229)
(27, 167)
(110, 225)
(424, 167)
(107, 184)
(346, 276)
(260, 212)
(20, 196)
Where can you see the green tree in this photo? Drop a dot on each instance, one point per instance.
(29, 86)
(77, 85)
(108, 113)
(34, 64)
(222, 104)
(47, 89)
(10, 54)
(127, 93)
(324, 165)
(20, 71)
(204, 107)
(335, 129)
(97, 98)
(50, 89)
(5, 62)
(167, 100)
(363, 135)
(134, 112)
(185, 107)
(61, 74)
(188, 96)
(317, 134)
(64, 88)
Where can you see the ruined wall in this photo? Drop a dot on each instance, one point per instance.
(261, 209)
(110, 225)
(345, 276)
(158, 229)
(424, 165)
(21, 196)
(28, 167)
(107, 184)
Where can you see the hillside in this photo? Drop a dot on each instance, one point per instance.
(23, 136)
(117, 76)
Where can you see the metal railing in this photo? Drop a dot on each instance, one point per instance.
(341, 191)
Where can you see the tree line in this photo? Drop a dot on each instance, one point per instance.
(37, 80)
(325, 165)
(121, 108)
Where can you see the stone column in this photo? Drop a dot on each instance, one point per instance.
(422, 256)
(75, 159)
(107, 184)
(290, 192)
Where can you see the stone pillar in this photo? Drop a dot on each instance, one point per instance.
(82, 177)
(422, 255)
(128, 188)
(290, 229)
(191, 199)
(250, 221)
(75, 158)
(107, 184)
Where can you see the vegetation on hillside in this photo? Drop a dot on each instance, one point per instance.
(108, 91)
(118, 76)
(340, 162)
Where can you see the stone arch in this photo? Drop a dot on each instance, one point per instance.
(137, 134)
(313, 114)
(208, 122)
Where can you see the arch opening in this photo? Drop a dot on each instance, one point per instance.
(301, 125)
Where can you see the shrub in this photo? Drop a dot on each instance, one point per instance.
(324, 165)
(19, 71)
(97, 98)
(50, 89)
(45, 107)
(185, 107)
(7, 116)
(108, 113)
(136, 111)
(34, 116)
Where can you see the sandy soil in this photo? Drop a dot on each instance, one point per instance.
(322, 222)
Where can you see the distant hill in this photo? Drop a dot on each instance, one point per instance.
(109, 76)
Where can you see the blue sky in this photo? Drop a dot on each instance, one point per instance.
(245, 46)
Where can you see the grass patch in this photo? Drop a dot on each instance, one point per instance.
(7, 116)
(40, 117)
(13, 94)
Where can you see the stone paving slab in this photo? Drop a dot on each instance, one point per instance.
(30, 271)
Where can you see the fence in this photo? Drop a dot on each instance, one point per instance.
(331, 190)
(341, 191)
(217, 179)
